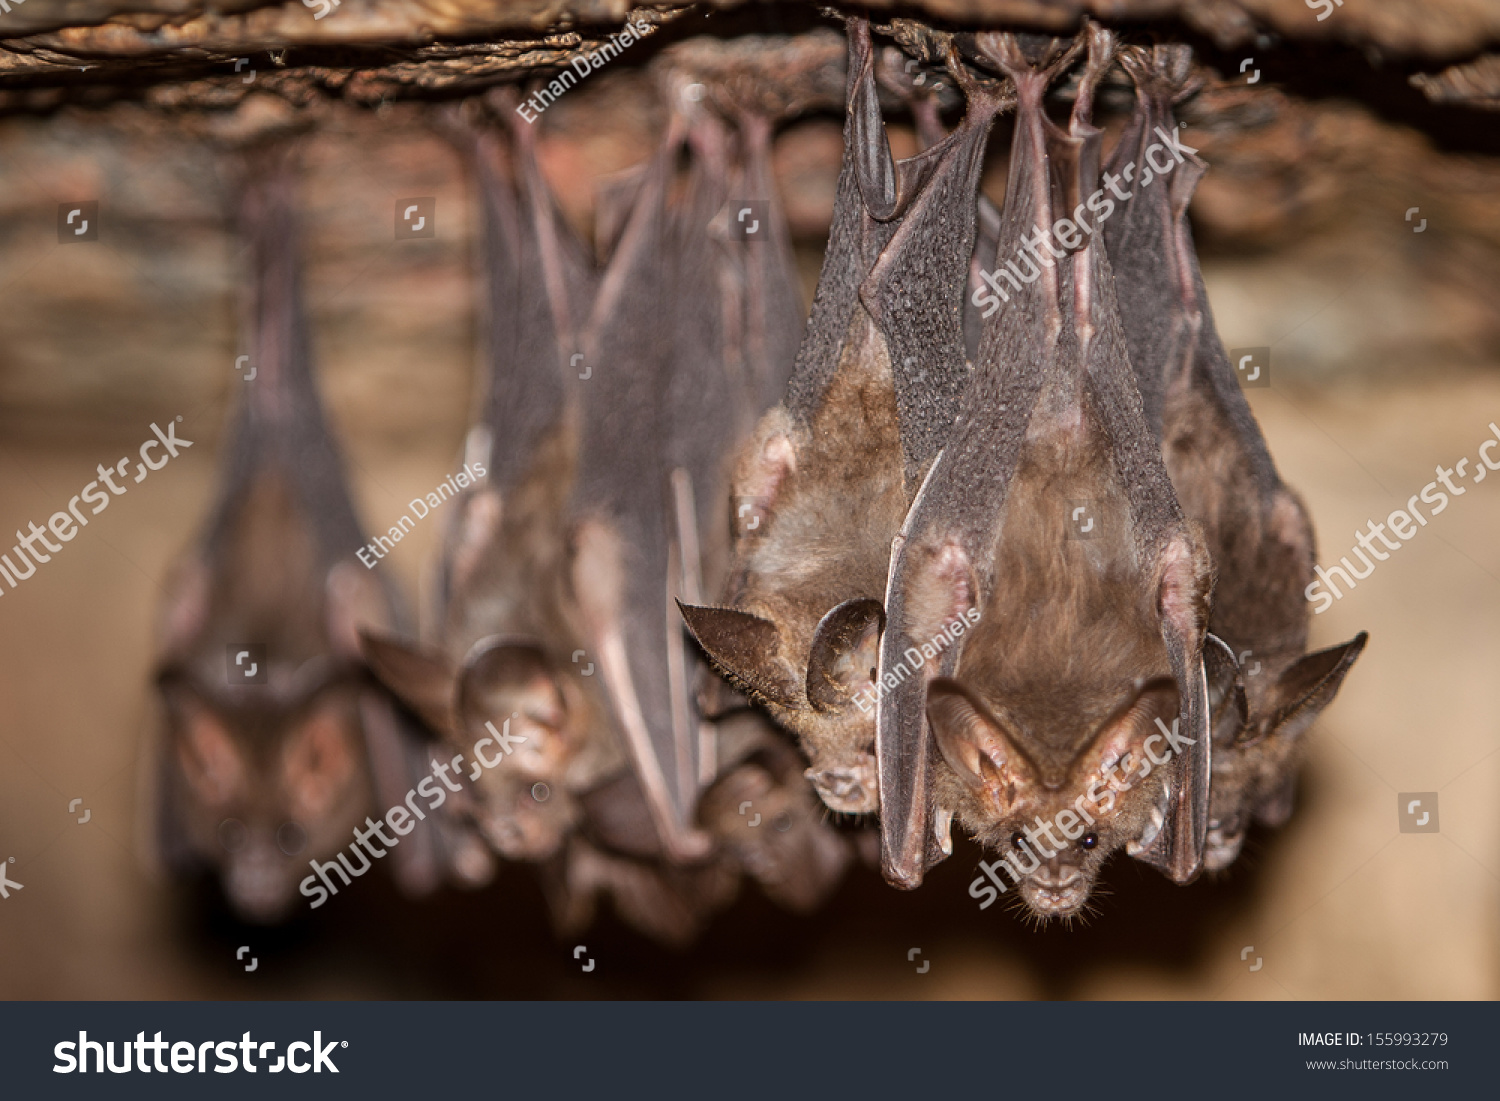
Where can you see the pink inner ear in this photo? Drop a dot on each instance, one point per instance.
(318, 762)
(209, 757)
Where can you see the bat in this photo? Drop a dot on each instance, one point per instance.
(276, 745)
(1047, 663)
(1268, 690)
(830, 472)
(510, 654)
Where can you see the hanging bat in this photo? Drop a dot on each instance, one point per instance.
(829, 474)
(276, 747)
(510, 655)
(1048, 601)
(1268, 689)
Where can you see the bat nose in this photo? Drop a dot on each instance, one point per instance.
(849, 789)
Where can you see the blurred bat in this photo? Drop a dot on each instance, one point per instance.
(276, 747)
(1049, 652)
(510, 647)
(1267, 690)
(825, 482)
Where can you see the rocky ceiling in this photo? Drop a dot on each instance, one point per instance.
(177, 54)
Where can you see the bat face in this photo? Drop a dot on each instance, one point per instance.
(264, 790)
(261, 778)
(1054, 828)
(763, 813)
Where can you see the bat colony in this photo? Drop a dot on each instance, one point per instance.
(1010, 551)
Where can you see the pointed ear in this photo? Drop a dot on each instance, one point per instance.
(421, 678)
(845, 651)
(211, 761)
(975, 746)
(1304, 690)
(746, 649)
(319, 760)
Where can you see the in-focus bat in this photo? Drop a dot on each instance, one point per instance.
(1048, 652)
(1268, 689)
(831, 471)
(276, 748)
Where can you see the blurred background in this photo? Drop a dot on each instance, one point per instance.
(1384, 330)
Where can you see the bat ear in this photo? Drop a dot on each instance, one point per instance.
(210, 759)
(845, 652)
(746, 649)
(419, 677)
(974, 745)
(1305, 689)
(319, 760)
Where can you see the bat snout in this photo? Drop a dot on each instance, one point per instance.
(848, 789)
(1056, 888)
(258, 885)
(1222, 846)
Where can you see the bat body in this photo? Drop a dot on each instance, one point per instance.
(1267, 689)
(831, 471)
(509, 636)
(260, 773)
(1053, 658)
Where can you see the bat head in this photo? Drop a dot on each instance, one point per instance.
(831, 707)
(1258, 728)
(1055, 823)
(520, 796)
(264, 787)
(763, 812)
(266, 773)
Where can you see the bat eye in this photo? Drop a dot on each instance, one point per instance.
(1016, 841)
(1089, 840)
